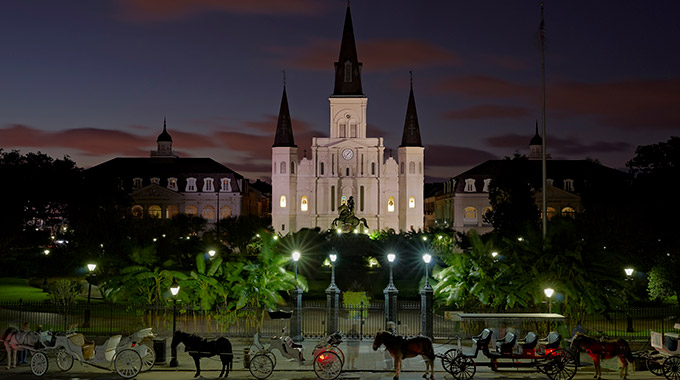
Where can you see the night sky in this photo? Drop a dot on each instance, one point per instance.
(94, 79)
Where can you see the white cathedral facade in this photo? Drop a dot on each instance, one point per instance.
(307, 192)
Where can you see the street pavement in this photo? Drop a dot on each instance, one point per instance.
(371, 365)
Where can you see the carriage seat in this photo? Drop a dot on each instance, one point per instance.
(551, 341)
(291, 343)
(87, 346)
(505, 345)
(529, 342)
(482, 340)
(670, 341)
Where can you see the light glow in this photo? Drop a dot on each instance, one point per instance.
(629, 271)
(391, 257)
(333, 257)
(296, 255)
(91, 267)
(211, 252)
(549, 292)
(427, 258)
(174, 288)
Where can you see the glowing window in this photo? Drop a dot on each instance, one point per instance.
(225, 184)
(171, 211)
(155, 211)
(208, 184)
(551, 212)
(412, 202)
(225, 212)
(568, 212)
(208, 212)
(282, 202)
(191, 210)
(470, 216)
(137, 211)
(303, 203)
(390, 204)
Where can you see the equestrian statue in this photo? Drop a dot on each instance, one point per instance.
(346, 221)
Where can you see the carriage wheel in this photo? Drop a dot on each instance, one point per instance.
(261, 366)
(64, 359)
(128, 363)
(341, 354)
(327, 365)
(463, 368)
(149, 359)
(447, 360)
(655, 367)
(562, 365)
(39, 363)
(671, 368)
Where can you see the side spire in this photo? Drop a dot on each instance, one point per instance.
(536, 140)
(164, 136)
(348, 67)
(411, 136)
(284, 128)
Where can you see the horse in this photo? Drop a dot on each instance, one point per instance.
(401, 347)
(599, 349)
(13, 339)
(199, 347)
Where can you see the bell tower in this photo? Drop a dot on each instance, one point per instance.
(411, 178)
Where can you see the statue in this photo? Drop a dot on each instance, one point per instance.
(346, 221)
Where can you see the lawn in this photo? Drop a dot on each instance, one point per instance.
(15, 289)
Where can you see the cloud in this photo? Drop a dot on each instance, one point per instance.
(448, 155)
(377, 54)
(632, 104)
(167, 10)
(558, 145)
(488, 111)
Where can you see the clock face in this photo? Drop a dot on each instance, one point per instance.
(347, 154)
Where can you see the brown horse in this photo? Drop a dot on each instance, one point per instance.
(599, 349)
(401, 347)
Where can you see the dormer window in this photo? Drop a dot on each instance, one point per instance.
(487, 181)
(191, 184)
(155, 180)
(208, 184)
(137, 183)
(348, 71)
(549, 181)
(470, 185)
(172, 184)
(226, 184)
(569, 185)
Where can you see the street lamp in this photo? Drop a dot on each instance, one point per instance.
(390, 293)
(549, 293)
(91, 268)
(333, 257)
(629, 318)
(174, 289)
(629, 272)
(296, 328)
(390, 258)
(332, 299)
(211, 253)
(427, 258)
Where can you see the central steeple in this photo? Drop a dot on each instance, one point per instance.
(348, 67)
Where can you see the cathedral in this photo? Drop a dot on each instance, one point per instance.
(307, 192)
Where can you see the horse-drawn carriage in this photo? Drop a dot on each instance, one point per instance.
(665, 361)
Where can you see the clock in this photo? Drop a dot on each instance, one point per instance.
(347, 154)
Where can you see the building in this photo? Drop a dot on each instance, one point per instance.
(164, 185)
(307, 192)
(463, 200)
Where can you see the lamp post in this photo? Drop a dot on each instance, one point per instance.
(332, 299)
(174, 289)
(390, 293)
(211, 253)
(549, 293)
(426, 310)
(90, 268)
(296, 328)
(629, 319)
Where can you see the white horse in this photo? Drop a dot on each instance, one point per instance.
(15, 340)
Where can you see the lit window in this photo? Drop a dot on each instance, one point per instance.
(390, 204)
(208, 184)
(551, 212)
(155, 180)
(208, 213)
(282, 202)
(172, 184)
(568, 212)
(191, 210)
(303, 203)
(412, 202)
(225, 212)
(470, 216)
(155, 211)
(470, 185)
(486, 185)
(137, 211)
(283, 168)
(412, 167)
(171, 211)
(191, 184)
(226, 184)
(136, 183)
(569, 184)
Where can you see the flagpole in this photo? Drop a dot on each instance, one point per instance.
(543, 140)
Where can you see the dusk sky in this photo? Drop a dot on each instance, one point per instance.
(94, 79)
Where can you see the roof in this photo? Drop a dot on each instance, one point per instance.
(411, 135)
(284, 127)
(348, 55)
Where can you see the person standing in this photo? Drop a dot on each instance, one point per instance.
(22, 355)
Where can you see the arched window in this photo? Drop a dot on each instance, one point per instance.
(568, 212)
(402, 168)
(346, 172)
(282, 202)
(343, 130)
(208, 212)
(390, 204)
(225, 212)
(470, 185)
(321, 168)
(283, 168)
(292, 167)
(551, 212)
(155, 211)
(412, 167)
(412, 202)
(470, 216)
(171, 211)
(352, 129)
(303, 203)
(137, 211)
(372, 168)
(191, 210)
